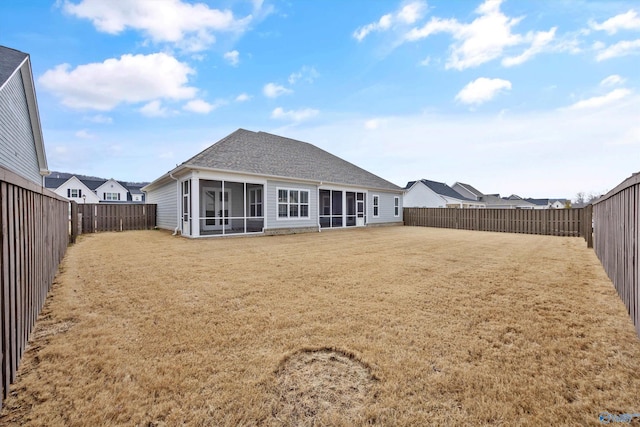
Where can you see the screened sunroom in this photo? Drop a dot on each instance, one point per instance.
(228, 207)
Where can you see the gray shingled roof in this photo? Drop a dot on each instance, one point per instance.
(10, 60)
(272, 155)
(471, 189)
(440, 188)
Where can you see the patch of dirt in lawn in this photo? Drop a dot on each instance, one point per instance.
(315, 386)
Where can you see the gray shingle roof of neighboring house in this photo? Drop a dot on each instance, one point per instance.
(471, 189)
(276, 156)
(440, 188)
(494, 200)
(10, 60)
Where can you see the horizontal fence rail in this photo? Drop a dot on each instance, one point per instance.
(617, 240)
(116, 217)
(35, 232)
(553, 222)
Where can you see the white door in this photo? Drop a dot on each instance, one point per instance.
(360, 209)
(215, 208)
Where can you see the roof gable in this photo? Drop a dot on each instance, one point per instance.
(263, 153)
(112, 182)
(10, 62)
(443, 189)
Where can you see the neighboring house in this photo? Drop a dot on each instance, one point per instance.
(112, 191)
(256, 182)
(550, 203)
(94, 190)
(73, 189)
(21, 141)
(136, 194)
(492, 201)
(431, 194)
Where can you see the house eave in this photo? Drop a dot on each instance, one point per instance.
(264, 176)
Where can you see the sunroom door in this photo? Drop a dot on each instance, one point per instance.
(215, 206)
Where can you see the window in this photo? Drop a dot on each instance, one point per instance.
(396, 206)
(111, 196)
(293, 203)
(376, 206)
(74, 192)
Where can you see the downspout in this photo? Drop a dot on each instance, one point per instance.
(178, 204)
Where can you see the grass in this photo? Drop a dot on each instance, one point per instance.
(386, 326)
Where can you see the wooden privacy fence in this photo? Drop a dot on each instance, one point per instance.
(617, 237)
(554, 222)
(35, 233)
(116, 217)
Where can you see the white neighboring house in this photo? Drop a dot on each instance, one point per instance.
(112, 191)
(76, 190)
(431, 194)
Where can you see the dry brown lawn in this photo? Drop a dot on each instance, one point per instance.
(384, 326)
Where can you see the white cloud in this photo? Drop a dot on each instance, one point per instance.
(539, 41)
(482, 90)
(625, 21)
(99, 118)
(200, 106)
(273, 90)
(84, 134)
(426, 61)
(306, 74)
(485, 38)
(243, 97)
(232, 57)
(407, 15)
(130, 79)
(190, 26)
(154, 109)
(373, 124)
(601, 101)
(623, 48)
(294, 115)
(612, 80)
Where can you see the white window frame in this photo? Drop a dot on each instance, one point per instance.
(256, 202)
(375, 205)
(396, 206)
(288, 203)
(111, 197)
(74, 192)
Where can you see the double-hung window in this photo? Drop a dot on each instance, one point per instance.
(111, 196)
(293, 203)
(376, 206)
(396, 206)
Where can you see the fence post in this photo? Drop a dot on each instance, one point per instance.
(74, 222)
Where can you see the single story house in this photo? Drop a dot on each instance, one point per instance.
(21, 142)
(432, 194)
(256, 182)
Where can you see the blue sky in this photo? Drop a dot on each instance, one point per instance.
(538, 98)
